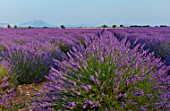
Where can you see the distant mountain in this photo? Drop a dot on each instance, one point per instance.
(36, 23)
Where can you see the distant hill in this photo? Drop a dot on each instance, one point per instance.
(36, 23)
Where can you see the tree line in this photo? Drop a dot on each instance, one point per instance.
(103, 26)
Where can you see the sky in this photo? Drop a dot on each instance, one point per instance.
(141, 12)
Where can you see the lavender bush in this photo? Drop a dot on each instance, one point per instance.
(26, 66)
(155, 39)
(6, 89)
(65, 48)
(107, 75)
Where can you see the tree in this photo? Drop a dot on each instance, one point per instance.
(63, 27)
(121, 26)
(15, 26)
(9, 26)
(30, 27)
(135, 26)
(163, 26)
(114, 26)
(146, 26)
(104, 26)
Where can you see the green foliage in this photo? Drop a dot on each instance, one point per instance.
(114, 26)
(65, 47)
(8, 26)
(163, 26)
(15, 26)
(6, 72)
(146, 26)
(62, 26)
(1, 47)
(30, 27)
(121, 26)
(3, 72)
(104, 26)
(82, 41)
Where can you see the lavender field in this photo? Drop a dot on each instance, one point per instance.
(100, 69)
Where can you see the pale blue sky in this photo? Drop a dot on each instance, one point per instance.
(153, 12)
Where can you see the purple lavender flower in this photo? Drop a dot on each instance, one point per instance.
(6, 93)
(134, 74)
(91, 78)
(96, 81)
(89, 87)
(85, 88)
(72, 105)
(84, 106)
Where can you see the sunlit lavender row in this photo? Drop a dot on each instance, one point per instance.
(88, 69)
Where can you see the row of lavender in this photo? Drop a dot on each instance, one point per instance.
(21, 45)
(97, 73)
(155, 39)
(26, 55)
(106, 75)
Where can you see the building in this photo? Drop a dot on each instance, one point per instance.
(4, 25)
